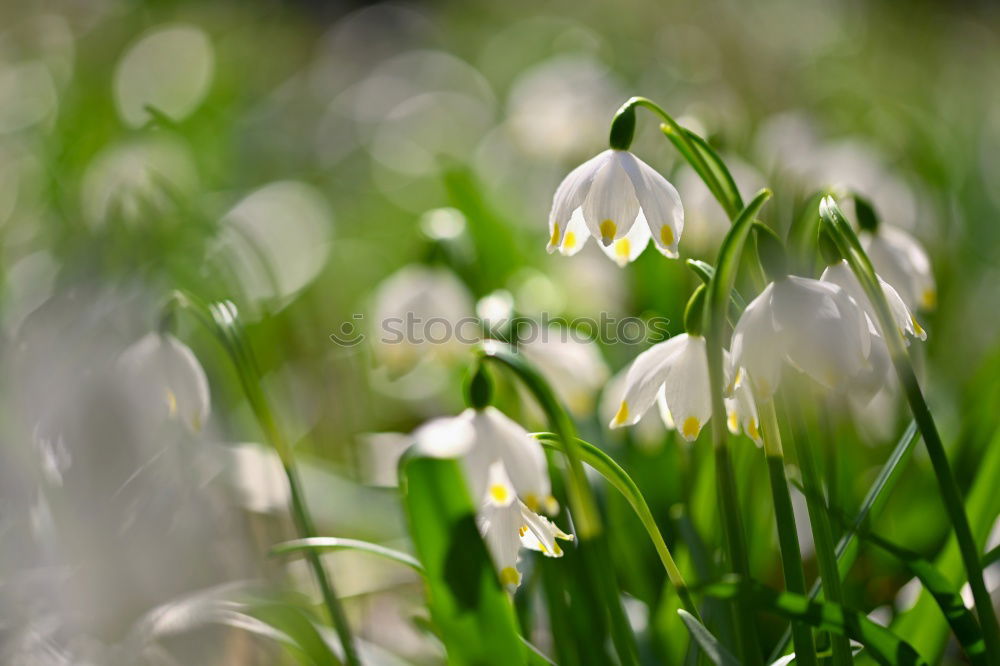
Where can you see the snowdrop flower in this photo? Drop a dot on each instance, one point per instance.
(508, 478)
(814, 326)
(676, 373)
(619, 200)
(878, 377)
(898, 257)
(166, 379)
(841, 275)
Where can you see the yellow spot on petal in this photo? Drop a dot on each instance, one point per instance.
(622, 248)
(510, 576)
(763, 387)
(498, 492)
(917, 328)
(555, 236)
(733, 422)
(691, 427)
(622, 414)
(570, 241)
(171, 403)
(196, 422)
(551, 505)
(666, 235)
(929, 298)
(557, 551)
(531, 501)
(752, 430)
(545, 551)
(608, 228)
(522, 530)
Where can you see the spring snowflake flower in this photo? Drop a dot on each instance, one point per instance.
(900, 259)
(508, 478)
(165, 380)
(870, 382)
(619, 200)
(675, 372)
(814, 326)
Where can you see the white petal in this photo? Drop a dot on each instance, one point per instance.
(576, 235)
(522, 456)
(644, 380)
(166, 379)
(539, 533)
(757, 346)
(841, 275)
(744, 411)
(570, 195)
(903, 263)
(660, 203)
(664, 410)
(500, 528)
(686, 387)
(827, 331)
(628, 249)
(611, 208)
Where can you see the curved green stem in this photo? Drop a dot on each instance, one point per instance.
(623, 483)
(850, 247)
(223, 321)
(788, 538)
(593, 545)
(719, 289)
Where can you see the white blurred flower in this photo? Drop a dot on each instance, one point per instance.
(169, 68)
(508, 478)
(814, 326)
(676, 373)
(898, 257)
(705, 221)
(616, 198)
(418, 310)
(166, 380)
(572, 366)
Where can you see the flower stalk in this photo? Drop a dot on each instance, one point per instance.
(788, 538)
(850, 247)
(717, 303)
(222, 320)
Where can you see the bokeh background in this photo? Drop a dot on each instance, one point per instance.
(326, 164)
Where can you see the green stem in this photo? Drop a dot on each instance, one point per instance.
(850, 247)
(819, 521)
(788, 538)
(623, 483)
(222, 320)
(597, 557)
(719, 290)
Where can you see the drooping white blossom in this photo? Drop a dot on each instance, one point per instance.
(619, 200)
(816, 327)
(166, 380)
(675, 372)
(900, 259)
(508, 478)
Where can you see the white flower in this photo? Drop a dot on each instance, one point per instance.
(619, 200)
(877, 377)
(166, 380)
(420, 313)
(900, 259)
(814, 326)
(508, 478)
(675, 372)
(841, 275)
(572, 366)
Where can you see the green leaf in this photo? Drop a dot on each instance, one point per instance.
(884, 646)
(468, 606)
(337, 543)
(713, 649)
